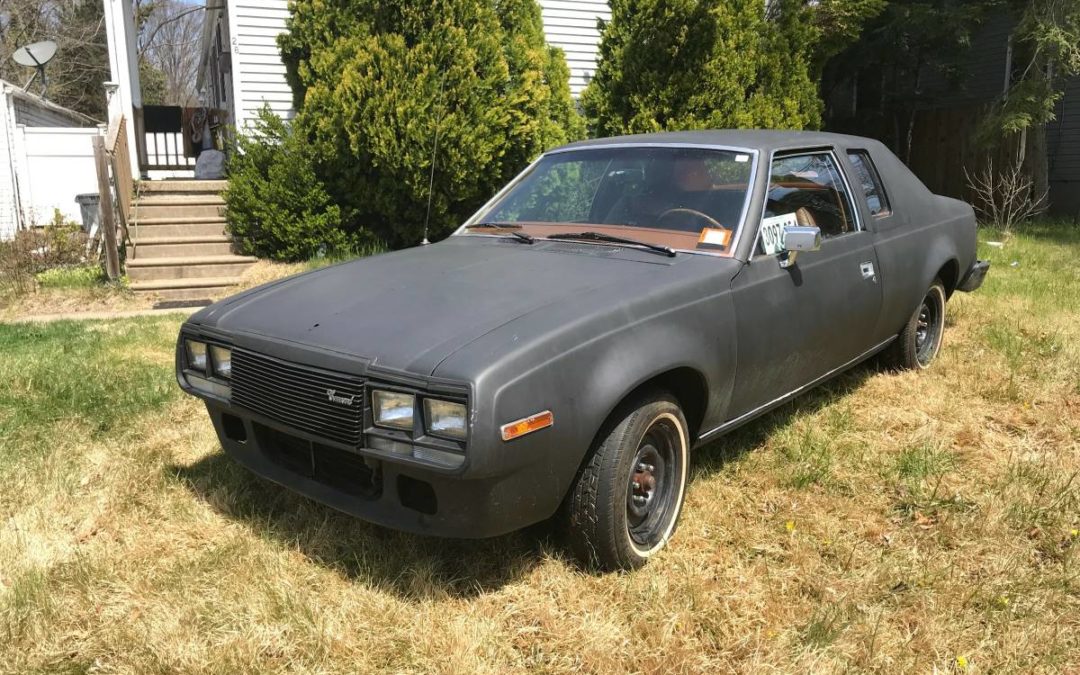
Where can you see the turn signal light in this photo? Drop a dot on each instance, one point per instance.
(527, 425)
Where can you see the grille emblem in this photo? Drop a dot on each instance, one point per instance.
(332, 396)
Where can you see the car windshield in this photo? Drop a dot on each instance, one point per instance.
(685, 198)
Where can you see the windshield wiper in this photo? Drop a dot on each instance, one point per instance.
(508, 228)
(600, 236)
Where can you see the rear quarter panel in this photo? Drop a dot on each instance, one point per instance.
(925, 234)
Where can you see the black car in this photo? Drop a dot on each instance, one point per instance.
(619, 303)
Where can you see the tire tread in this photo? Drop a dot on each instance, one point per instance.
(902, 354)
(590, 522)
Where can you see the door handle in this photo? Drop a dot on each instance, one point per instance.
(867, 269)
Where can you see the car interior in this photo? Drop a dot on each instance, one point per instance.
(673, 193)
(809, 186)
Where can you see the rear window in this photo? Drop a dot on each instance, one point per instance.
(870, 182)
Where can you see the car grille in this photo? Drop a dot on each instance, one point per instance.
(299, 396)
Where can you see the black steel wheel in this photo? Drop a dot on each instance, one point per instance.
(920, 340)
(626, 501)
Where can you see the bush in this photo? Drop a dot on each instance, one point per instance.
(693, 64)
(275, 205)
(376, 80)
(79, 276)
(31, 252)
(1004, 198)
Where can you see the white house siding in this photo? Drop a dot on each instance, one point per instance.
(571, 25)
(32, 114)
(258, 75)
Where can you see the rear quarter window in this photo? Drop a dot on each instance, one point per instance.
(869, 181)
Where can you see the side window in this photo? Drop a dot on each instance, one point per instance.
(867, 175)
(809, 187)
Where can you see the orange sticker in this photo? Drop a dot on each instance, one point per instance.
(712, 236)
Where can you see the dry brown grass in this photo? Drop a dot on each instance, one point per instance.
(888, 523)
(40, 301)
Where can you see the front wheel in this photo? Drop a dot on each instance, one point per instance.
(625, 503)
(920, 340)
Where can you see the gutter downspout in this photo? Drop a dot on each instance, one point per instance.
(7, 121)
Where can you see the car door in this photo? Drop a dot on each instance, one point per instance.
(797, 324)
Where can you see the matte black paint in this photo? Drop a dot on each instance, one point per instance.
(576, 327)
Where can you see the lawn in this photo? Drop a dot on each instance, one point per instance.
(885, 522)
(85, 288)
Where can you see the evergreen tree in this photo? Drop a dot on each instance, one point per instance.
(689, 64)
(378, 82)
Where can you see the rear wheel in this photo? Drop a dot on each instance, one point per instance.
(920, 340)
(626, 501)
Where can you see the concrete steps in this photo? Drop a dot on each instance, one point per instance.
(182, 186)
(194, 290)
(188, 267)
(157, 228)
(179, 249)
(178, 206)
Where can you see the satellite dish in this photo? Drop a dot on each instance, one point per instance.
(36, 56)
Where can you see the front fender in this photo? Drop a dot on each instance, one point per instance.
(584, 373)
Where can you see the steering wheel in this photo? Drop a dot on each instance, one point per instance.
(694, 212)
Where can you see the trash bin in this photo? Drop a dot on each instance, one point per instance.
(90, 205)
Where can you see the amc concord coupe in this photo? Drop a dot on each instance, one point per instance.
(619, 303)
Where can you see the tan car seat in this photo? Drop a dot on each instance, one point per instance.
(804, 217)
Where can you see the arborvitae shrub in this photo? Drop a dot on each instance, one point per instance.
(693, 64)
(276, 205)
(375, 80)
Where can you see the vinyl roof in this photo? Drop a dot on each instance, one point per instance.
(759, 139)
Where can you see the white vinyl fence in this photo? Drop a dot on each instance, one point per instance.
(54, 164)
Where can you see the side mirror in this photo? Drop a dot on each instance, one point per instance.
(798, 238)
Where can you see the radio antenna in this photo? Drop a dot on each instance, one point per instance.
(434, 150)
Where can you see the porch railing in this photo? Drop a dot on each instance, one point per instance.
(166, 145)
(166, 151)
(116, 145)
(115, 189)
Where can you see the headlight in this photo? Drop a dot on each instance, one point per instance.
(196, 355)
(445, 418)
(393, 409)
(221, 361)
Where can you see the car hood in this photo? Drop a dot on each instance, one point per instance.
(410, 310)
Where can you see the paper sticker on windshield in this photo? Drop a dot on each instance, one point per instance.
(742, 158)
(714, 237)
(772, 232)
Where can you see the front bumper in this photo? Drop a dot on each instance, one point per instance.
(974, 277)
(399, 496)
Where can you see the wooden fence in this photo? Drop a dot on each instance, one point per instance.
(944, 146)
